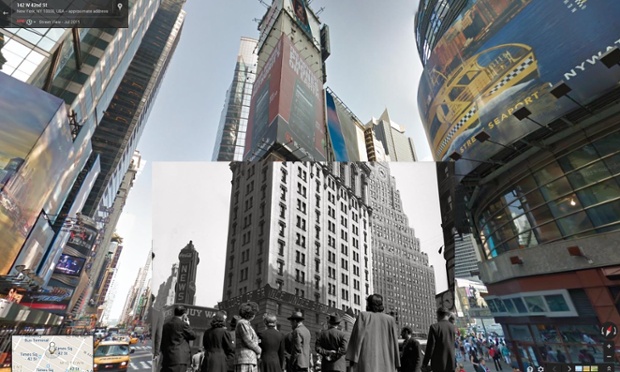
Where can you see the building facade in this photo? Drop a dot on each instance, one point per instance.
(291, 50)
(303, 229)
(94, 72)
(395, 144)
(467, 256)
(230, 137)
(530, 138)
(400, 271)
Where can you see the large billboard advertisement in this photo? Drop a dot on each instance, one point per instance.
(50, 299)
(34, 141)
(286, 107)
(301, 16)
(335, 129)
(343, 130)
(500, 56)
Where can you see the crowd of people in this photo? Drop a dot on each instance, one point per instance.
(479, 349)
(372, 346)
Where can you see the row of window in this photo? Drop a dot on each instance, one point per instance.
(574, 195)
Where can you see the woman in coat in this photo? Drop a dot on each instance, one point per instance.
(247, 350)
(218, 346)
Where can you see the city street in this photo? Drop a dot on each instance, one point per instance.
(142, 358)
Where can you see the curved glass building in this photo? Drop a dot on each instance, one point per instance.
(528, 111)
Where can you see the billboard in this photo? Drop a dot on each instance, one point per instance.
(70, 265)
(301, 16)
(34, 249)
(199, 317)
(286, 107)
(499, 56)
(50, 298)
(335, 129)
(34, 141)
(344, 130)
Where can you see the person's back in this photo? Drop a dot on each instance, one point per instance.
(439, 346)
(272, 345)
(373, 345)
(218, 347)
(300, 352)
(174, 347)
(332, 345)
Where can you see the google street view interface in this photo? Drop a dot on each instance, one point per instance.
(52, 353)
(514, 105)
(63, 13)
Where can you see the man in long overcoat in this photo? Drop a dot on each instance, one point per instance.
(373, 345)
(440, 344)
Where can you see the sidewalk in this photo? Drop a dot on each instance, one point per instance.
(489, 364)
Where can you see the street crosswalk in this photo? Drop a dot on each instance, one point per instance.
(140, 347)
(141, 365)
(140, 360)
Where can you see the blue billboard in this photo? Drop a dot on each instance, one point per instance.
(335, 130)
(500, 56)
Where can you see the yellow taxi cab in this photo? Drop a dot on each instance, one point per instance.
(133, 339)
(112, 356)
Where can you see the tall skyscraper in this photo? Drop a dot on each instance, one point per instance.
(112, 216)
(467, 256)
(230, 138)
(303, 229)
(165, 293)
(101, 300)
(291, 49)
(136, 299)
(396, 145)
(119, 131)
(108, 79)
(400, 270)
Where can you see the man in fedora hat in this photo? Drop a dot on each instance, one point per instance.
(300, 351)
(332, 345)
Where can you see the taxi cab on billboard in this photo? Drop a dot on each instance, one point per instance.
(476, 82)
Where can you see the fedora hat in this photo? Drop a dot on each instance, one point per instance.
(334, 319)
(296, 316)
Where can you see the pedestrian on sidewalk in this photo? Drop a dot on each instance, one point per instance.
(440, 344)
(411, 359)
(272, 343)
(217, 345)
(475, 361)
(331, 345)
(247, 350)
(373, 345)
(497, 357)
(506, 353)
(300, 355)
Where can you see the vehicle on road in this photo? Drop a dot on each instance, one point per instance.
(112, 356)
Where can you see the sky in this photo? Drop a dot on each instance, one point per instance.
(201, 203)
(373, 65)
